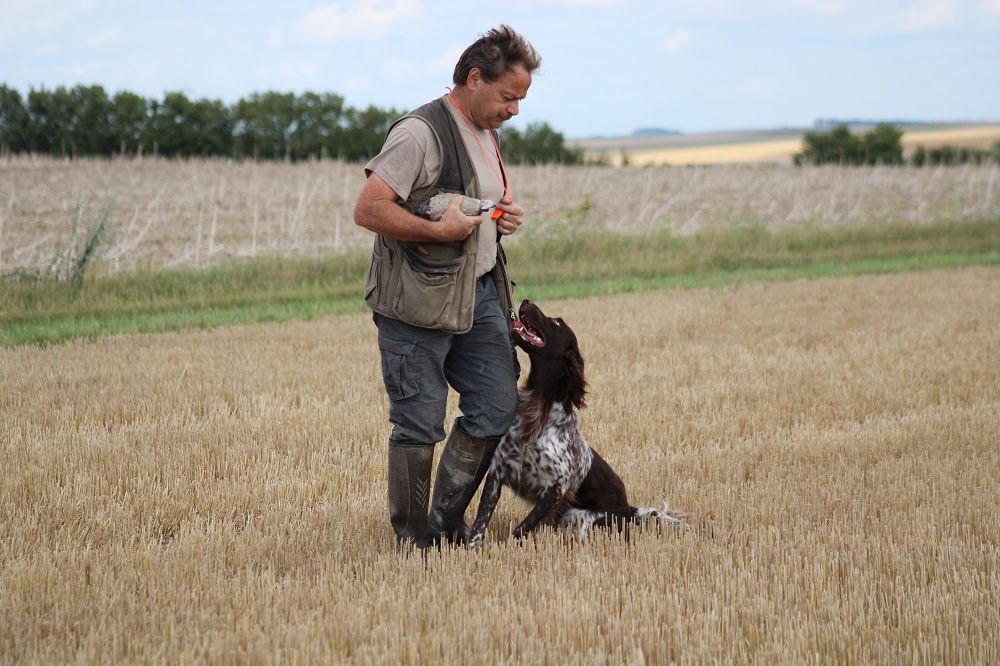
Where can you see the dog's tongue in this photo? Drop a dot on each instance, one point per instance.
(519, 327)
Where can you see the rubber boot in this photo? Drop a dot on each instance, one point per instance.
(463, 465)
(409, 488)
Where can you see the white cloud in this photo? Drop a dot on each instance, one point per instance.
(437, 66)
(928, 15)
(990, 6)
(736, 8)
(582, 3)
(366, 19)
(293, 71)
(676, 40)
(103, 37)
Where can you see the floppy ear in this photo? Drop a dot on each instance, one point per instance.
(576, 383)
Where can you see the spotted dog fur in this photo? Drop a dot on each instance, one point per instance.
(543, 458)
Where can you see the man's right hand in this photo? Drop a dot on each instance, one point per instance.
(455, 225)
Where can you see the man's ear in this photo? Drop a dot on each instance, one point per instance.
(473, 78)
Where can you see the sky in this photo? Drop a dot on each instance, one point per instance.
(608, 66)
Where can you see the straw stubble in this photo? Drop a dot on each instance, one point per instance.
(221, 496)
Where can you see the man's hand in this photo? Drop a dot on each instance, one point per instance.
(512, 218)
(455, 225)
(377, 210)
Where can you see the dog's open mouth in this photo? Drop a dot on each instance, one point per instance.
(528, 334)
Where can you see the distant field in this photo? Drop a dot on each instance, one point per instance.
(771, 147)
(201, 213)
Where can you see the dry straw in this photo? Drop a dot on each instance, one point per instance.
(203, 212)
(220, 496)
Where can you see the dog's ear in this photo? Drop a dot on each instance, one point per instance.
(576, 382)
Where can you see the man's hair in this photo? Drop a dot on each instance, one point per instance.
(494, 53)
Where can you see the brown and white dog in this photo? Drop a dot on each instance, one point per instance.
(543, 457)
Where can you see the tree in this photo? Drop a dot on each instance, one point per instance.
(129, 121)
(265, 125)
(539, 144)
(13, 122)
(838, 146)
(49, 120)
(183, 127)
(883, 145)
(318, 119)
(89, 120)
(365, 132)
(84, 120)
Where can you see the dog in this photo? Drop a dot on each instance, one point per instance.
(543, 457)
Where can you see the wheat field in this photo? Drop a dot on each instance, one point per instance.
(750, 147)
(200, 213)
(219, 496)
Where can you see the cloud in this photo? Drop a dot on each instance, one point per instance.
(582, 3)
(367, 19)
(729, 9)
(290, 71)
(443, 63)
(927, 15)
(990, 7)
(103, 37)
(676, 40)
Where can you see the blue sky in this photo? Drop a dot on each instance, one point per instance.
(608, 66)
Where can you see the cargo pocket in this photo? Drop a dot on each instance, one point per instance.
(427, 288)
(398, 369)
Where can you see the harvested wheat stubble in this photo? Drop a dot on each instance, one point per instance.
(205, 212)
(220, 496)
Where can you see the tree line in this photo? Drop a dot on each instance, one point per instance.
(882, 145)
(87, 121)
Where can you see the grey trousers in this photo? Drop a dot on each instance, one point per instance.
(418, 365)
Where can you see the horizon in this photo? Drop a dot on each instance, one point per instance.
(609, 67)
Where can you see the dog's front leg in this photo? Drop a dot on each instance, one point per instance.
(487, 504)
(546, 501)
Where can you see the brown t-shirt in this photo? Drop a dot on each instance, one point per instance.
(410, 163)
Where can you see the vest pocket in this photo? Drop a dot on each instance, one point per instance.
(371, 283)
(428, 264)
(427, 288)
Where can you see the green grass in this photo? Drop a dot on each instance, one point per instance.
(575, 264)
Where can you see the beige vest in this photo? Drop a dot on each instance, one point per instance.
(433, 285)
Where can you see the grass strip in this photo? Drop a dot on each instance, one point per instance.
(577, 264)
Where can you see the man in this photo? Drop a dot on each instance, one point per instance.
(439, 289)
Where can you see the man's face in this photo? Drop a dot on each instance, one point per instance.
(492, 104)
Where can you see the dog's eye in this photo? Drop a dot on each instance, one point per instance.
(557, 322)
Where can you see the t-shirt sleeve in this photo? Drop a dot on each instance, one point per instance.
(410, 160)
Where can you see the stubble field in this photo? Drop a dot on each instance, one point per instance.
(201, 213)
(220, 496)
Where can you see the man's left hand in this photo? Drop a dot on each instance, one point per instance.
(512, 218)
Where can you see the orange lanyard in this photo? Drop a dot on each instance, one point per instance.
(475, 135)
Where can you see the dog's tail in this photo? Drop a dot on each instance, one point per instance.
(583, 520)
(663, 516)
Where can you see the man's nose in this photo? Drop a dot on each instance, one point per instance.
(512, 108)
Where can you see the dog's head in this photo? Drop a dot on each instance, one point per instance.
(556, 363)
